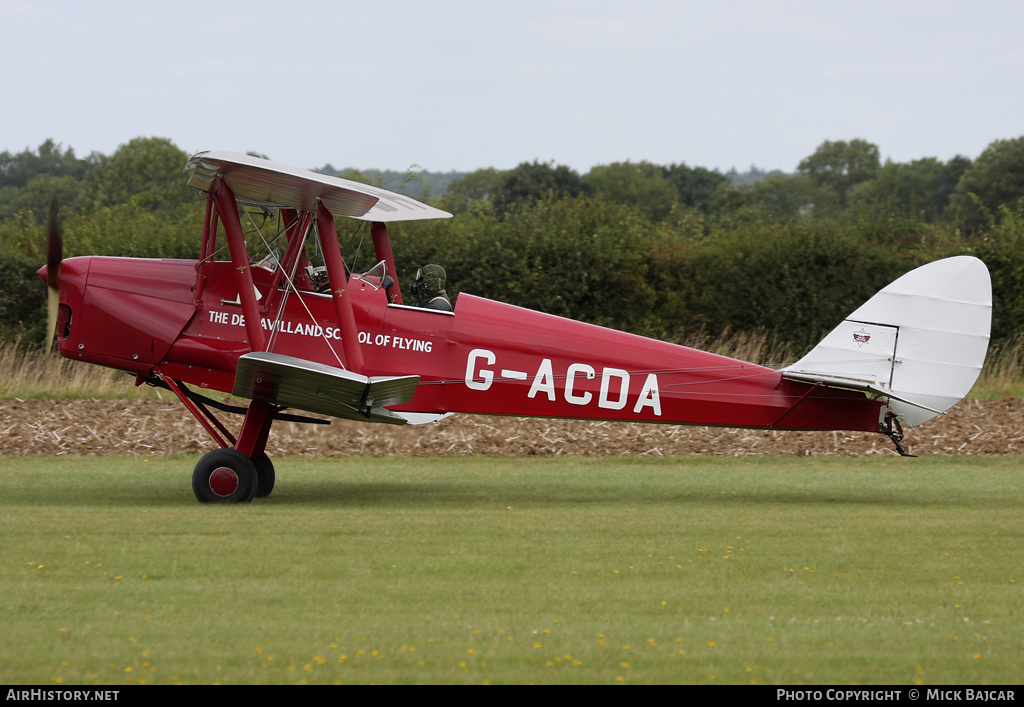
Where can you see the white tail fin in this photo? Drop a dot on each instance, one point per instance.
(920, 342)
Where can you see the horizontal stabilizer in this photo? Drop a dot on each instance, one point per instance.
(878, 390)
(315, 387)
(920, 342)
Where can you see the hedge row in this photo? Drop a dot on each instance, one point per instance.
(594, 260)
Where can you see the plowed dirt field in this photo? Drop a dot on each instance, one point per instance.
(974, 427)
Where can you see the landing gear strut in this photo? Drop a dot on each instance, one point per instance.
(240, 470)
(225, 475)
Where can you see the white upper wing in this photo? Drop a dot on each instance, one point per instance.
(261, 182)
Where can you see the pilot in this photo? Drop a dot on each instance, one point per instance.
(318, 278)
(428, 286)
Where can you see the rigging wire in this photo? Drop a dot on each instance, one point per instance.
(292, 288)
(351, 265)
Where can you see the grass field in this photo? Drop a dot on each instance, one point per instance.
(480, 570)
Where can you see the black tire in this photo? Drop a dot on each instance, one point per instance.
(224, 476)
(265, 475)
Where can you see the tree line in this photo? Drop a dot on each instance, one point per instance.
(673, 251)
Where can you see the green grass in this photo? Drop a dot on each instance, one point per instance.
(474, 570)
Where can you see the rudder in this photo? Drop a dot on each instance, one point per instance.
(921, 341)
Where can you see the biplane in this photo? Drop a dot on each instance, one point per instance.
(263, 329)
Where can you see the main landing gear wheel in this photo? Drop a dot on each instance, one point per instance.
(224, 476)
(265, 475)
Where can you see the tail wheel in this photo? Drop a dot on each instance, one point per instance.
(265, 475)
(225, 476)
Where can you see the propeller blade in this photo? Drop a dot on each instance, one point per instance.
(52, 305)
(54, 256)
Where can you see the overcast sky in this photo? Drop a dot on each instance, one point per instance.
(463, 85)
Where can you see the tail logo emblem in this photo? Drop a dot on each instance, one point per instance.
(861, 337)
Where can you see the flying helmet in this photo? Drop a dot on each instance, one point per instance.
(429, 280)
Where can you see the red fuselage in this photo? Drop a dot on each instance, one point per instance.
(180, 318)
